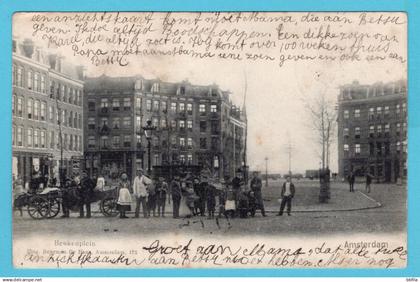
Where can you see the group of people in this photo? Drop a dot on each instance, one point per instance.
(351, 178)
(190, 195)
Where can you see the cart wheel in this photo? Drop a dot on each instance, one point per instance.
(109, 207)
(54, 208)
(38, 207)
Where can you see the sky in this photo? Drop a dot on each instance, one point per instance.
(275, 100)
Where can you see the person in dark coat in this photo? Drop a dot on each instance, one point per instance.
(151, 200)
(243, 204)
(287, 194)
(211, 200)
(200, 189)
(368, 182)
(66, 195)
(85, 195)
(161, 192)
(256, 185)
(351, 179)
(237, 183)
(176, 193)
(252, 203)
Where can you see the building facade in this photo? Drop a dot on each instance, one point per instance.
(372, 130)
(194, 125)
(47, 112)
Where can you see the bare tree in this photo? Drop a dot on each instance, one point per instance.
(323, 117)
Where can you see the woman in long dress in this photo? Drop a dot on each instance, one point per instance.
(124, 196)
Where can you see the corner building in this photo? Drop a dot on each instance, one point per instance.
(372, 130)
(195, 125)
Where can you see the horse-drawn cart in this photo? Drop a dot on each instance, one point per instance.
(47, 204)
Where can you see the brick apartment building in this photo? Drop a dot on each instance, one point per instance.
(195, 125)
(372, 130)
(46, 90)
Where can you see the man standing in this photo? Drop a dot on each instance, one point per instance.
(256, 185)
(287, 194)
(368, 181)
(351, 180)
(161, 191)
(140, 192)
(237, 183)
(85, 194)
(176, 192)
(200, 191)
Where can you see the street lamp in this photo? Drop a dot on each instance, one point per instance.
(148, 129)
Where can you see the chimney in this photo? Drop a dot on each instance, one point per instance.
(28, 47)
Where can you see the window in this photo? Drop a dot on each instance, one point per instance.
(386, 129)
(149, 105)
(357, 113)
(189, 158)
(203, 143)
(50, 113)
(371, 130)
(51, 138)
(213, 109)
(13, 104)
(173, 124)
(155, 88)
(181, 107)
(138, 103)
(116, 123)
(163, 106)
(104, 122)
(19, 136)
(155, 122)
(398, 147)
(116, 141)
(30, 104)
(115, 104)
(19, 78)
(75, 121)
(214, 143)
(202, 109)
(43, 109)
(182, 90)
(19, 106)
(36, 136)
(346, 132)
(63, 117)
(91, 106)
(13, 74)
(36, 82)
(189, 125)
(155, 105)
(190, 109)
(371, 149)
(127, 104)
(182, 142)
(182, 124)
(379, 148)
(156, 158)
(30, 80)
(189, 143)
(126, 122)
(404, 107)
(104, 103)
(357, 132)
(104, 142)
(357, 149)
(386, 110)
(138, 122)
(203, 126)
(36, 109)
(91, 123)
(379, 129)
(214, 127)
(71, 140)
(163, 123)
(346, 147)
(42, 83)
(173, 107)
(397, 109)
(42, 138)
(371, 113)
(346, 114)
(91, 142)
(127, 140)
(30, 137)
(379, 110)
(13, 135)
(182, 158)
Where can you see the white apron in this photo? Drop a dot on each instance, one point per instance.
(124, 197)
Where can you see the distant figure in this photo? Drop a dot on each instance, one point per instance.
(85, 194)
(161, 192)
(151, 200)
(100, 183)
(176, 192)
(211, 200)
(351, 179)
(140, 192)
(287, 194)
(368, 182)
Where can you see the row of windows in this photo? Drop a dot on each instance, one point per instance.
(37, 138)
(36, 110)
(36, 81)
(378, 111)
(381, 148)
(378, 129)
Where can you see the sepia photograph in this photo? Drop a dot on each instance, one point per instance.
(209, 139)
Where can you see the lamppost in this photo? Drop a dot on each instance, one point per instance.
(148, 129)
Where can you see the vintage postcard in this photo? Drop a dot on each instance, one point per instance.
(209, 140)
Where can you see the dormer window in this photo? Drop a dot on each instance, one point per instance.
(182, 90)
(155, 87)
